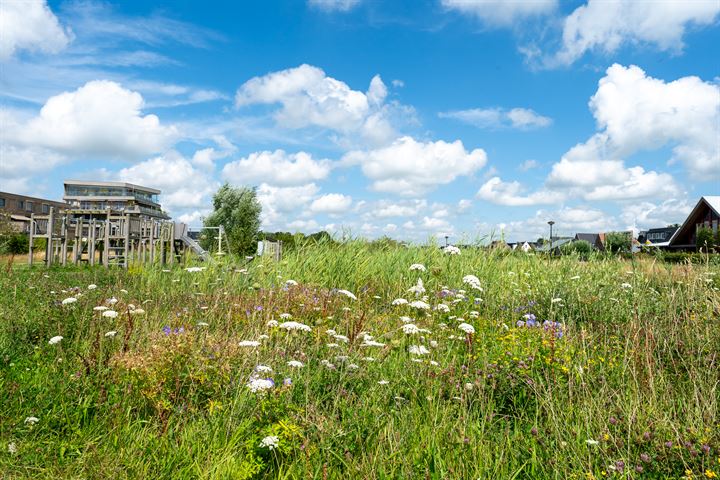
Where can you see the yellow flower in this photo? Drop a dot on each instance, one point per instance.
(606, 437)
(710, 474)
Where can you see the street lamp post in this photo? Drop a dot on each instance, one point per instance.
(551, 223)
(446, 240)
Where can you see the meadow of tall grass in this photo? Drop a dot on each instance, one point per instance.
(353, 361)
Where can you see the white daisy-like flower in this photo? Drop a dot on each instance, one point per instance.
(31, 420)
(249, 343)
(110, 314)
(111, 334)
(347, 294)
(295, 364)
(418, 288)
(55, 340)
(420, 305)
(399, 301)
(467, 328)
(69, 300)
(291, 326)
(285, 316)
(418, 350)
(270, 442)
(92, 286)
(260, 384)
(418, 266)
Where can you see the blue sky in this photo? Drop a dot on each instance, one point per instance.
(408, 119)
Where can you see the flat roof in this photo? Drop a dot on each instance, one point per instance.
(28, 197)
(92, 183)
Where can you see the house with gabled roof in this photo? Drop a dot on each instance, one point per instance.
(706, 213)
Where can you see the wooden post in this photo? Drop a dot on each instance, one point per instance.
(32, 238)
(91, 241)
(152, 242)
(49, 247)
(171, 245)
(126, 247)
(162, 244)
(106, 246)
(63, 246)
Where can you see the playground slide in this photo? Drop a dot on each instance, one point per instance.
(181, 233)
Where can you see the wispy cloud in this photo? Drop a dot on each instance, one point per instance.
(493, 118)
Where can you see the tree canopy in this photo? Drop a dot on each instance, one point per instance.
(237, 209)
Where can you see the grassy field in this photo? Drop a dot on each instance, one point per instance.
(495, 366)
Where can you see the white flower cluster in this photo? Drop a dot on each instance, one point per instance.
(271, 442)
(420, 305)
(290, 326)
(467, 328)
(418, 266)
(260, 385)
(451, 250)
(418, 350)
(347, 294)
(473, 281)
(249, 343)
(399, 301)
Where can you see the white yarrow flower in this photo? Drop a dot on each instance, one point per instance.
(92, 286)
(418, 288)
(111, 333)
(271, 442)
(31, 420)
(467, 328)
(347, 294)
(418, 266)
(290, 326)
(69, 300)
(295, 364)
(55, 340)
(420, 305)
(249, 343)
(110, 314)
(399, 301)
(260, 384)
(451, 250)
(418, 350)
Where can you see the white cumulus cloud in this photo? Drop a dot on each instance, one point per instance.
(277, 168)
(409, 167)
(332, 203)
(99, 118)
(334, 5)
(512, 194)
(30, 25)
(608, 24)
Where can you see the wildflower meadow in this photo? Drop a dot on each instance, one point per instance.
(358, 361)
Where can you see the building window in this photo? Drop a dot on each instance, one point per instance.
(45, 208)
(28, 206)
(21, 204)
(2, 203)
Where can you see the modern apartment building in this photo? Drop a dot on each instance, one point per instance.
(18, 208)
(87, 198)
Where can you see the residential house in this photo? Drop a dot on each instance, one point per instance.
(657, 235)
(597, 240)
(706, 213)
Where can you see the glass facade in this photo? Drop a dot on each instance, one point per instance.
(105, 191)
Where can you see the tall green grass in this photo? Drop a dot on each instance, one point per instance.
(629, 390)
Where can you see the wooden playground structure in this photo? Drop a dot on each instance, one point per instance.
(109, 238)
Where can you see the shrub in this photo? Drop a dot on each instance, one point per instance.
(14, 243)
(704, 239)
(581, 247)
(618, 242)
